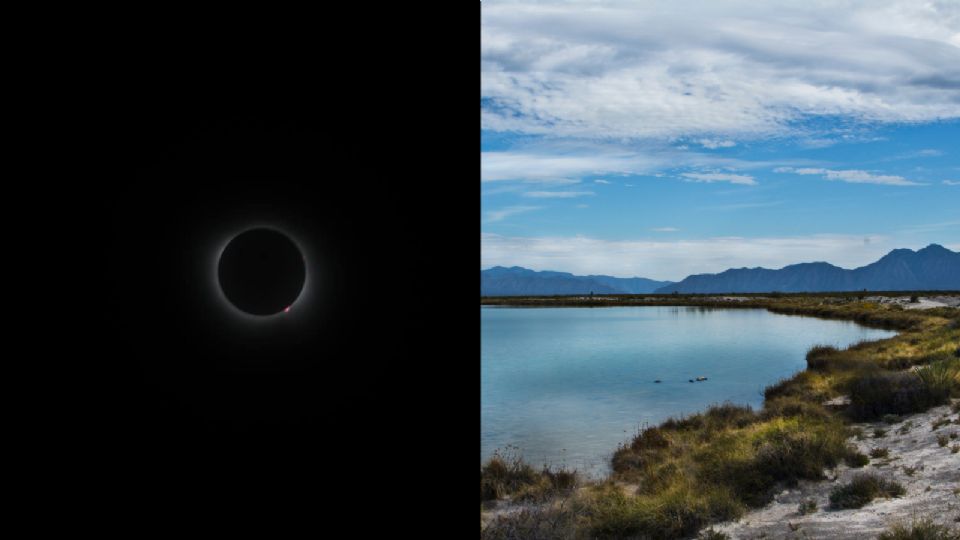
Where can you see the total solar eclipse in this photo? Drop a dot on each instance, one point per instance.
(261, 272)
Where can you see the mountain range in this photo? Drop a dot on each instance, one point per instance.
(518, 281)
(931, 268)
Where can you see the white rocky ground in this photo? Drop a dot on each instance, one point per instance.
(933, 489)
(923, 302)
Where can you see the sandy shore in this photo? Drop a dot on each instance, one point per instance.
(912, 444)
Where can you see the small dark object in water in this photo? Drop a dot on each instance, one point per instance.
(656, 381)
(701, 378)
(691, 380)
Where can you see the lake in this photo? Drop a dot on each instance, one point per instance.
(565, 386)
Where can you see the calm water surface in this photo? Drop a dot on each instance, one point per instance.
(567, 385)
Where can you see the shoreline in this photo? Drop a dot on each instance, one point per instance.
(927, 326)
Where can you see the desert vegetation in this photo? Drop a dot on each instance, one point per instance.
(676, 479)
(922, 529)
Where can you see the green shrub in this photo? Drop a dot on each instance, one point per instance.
(818, 356)
(791, 406)
(808, 506)
(678, 513)
(504, 474)
(716, 417)
(874, 395)
(924, 529)
(940, 378)
(508, 474)
(862, 489)
(785, 452)
(650, 438)
(856, 459)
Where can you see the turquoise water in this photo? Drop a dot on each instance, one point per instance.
(567, 385)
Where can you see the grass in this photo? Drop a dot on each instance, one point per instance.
(713, 466)
(910, 471)
(862, 489)
(923, 529)
(879, 453)
(937, 424)
(507, 474)
(942, 440)
(807, 507)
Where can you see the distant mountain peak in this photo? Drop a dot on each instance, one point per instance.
(931, 268)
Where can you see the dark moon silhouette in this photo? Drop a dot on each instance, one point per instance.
(261, 272)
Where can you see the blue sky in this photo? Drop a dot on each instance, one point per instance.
(666, 139)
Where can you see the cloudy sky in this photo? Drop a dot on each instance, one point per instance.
(662, 139)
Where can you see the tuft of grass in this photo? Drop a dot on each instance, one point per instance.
(923, 529)
(891, 418)
(879, 433)
(942, 440)
(856, 459)
(818, 357)
(507, 474)
(806, 507)
(910, 471)
(677, 513)
(875, 394)
(955, 448)
(785, 407)
(545, 522)
(940, 378)
(711, 534)
(864, 488)
(879, 453)
(940, 422)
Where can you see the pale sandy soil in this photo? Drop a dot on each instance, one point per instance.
(931, 491)
(925, 302)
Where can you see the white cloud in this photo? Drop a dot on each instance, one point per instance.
(499, 215)
(557, 194)
(665, 229)
(602, 182)
(952, 182)
(559, 169)
(674, 260)
(853, 176)
(720, 177)
(719, 70)
(710, 143)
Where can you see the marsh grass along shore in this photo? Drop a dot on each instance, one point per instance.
(677, 479)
